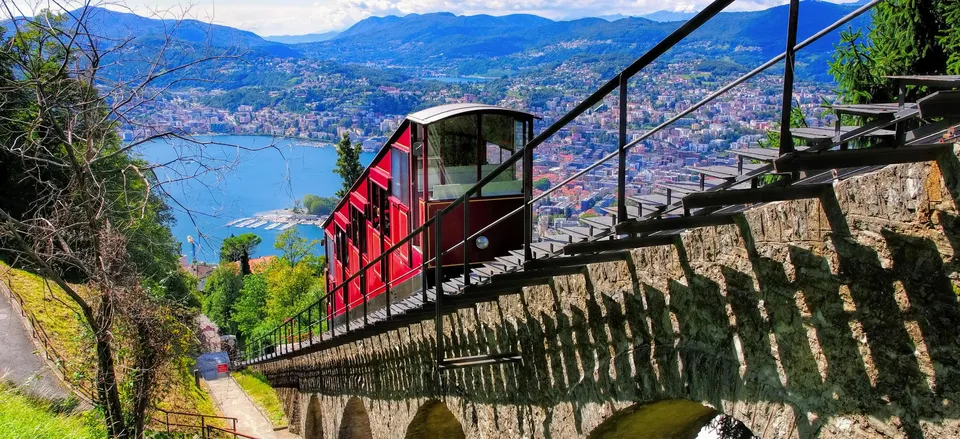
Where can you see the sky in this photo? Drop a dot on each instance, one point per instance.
(298, 17)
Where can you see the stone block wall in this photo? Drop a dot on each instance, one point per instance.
(834, 317)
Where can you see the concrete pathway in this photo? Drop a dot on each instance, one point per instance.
(235, 404)
(19, 363)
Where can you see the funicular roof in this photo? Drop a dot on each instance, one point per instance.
(441, 112)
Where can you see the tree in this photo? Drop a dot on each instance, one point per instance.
(542, 184)
(80, 209)
(906, 37)
(319, 205)
(348, 164)
(250, 309)
(222, 290)
(294, 247)
(291, 287)
(240, 248)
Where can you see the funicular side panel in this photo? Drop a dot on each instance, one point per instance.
(502, 237)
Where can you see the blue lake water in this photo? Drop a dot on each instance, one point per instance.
(224, 180)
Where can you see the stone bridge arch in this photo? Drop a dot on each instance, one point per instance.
(434, 420)
(355, 423)
(670, 419)
(313, 421)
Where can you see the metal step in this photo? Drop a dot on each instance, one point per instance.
(677, 223)
(583, 232)
(683, 187)
(731, 197)
(575, 261)
(861, 157)
(764, 154)
(821, 134)
(722, 171)
(655, 201)
(870, 110)
(602, 222)
(620, 244)
(632, 211)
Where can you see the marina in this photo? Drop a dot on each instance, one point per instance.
(278, 220)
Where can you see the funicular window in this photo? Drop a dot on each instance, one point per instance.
(357, 232)
(502, 136)
(400, 175)
(452, 146)
(341, 246)
(461, 150)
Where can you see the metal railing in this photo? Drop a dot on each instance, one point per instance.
(269, 347)
(201, 423)
(215, 432)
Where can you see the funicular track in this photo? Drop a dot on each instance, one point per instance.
(899, 132)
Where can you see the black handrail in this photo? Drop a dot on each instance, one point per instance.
(525, 153)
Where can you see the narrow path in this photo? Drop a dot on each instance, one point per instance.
(19, 363)
(235, 404)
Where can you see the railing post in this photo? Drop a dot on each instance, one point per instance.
(385, 268)
(166, 418)
(527, 207)
(310, 324)
(363, 293)
(622, 170)
(466, 245)
(438, 281)
(345, 293)
(203, 426)
(786, 140)
(423, 262)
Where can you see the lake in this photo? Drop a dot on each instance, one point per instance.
(228, 178)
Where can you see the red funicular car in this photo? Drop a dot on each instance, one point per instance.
(430, 160)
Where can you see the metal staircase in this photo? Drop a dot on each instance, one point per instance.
(891, 133)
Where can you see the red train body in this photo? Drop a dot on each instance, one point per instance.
(432, 158)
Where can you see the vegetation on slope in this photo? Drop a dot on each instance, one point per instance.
(256, 387)
(22, 416)
(53, 311)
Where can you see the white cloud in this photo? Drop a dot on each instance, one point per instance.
(295, 17)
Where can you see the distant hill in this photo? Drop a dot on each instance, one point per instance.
(665, 16)
(307, 38)
(514, 41)
(115, 26)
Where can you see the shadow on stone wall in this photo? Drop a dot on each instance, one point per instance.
(840, 321)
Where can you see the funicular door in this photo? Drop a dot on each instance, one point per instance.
(358, 231)
(399, 211)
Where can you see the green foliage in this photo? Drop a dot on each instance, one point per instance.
(319, 205)
(907, 37)
(23, 416)
(542, 184)
(222, 290)
(293, 246)
(348, 164)
(772, 139)
(291, 288)
(249, 310)
(240, 248)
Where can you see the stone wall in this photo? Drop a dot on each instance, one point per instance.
(832, 317)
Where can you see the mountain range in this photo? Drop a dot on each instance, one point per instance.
(494, 45)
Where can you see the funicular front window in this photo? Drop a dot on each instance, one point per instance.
(501, 139)
(463, 149)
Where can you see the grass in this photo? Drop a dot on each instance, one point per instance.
(22, 416)
(54, 311)
(255, 385)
